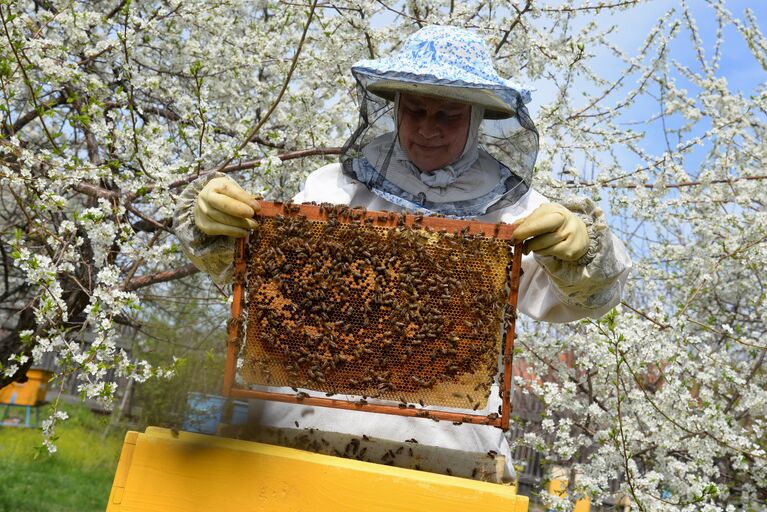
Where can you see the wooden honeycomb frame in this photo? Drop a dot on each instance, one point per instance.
(412, 225)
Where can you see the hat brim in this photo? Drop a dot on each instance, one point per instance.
(495, 108)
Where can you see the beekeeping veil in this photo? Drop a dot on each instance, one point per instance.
(454, 64)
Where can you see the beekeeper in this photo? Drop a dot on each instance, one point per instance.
(422, 111)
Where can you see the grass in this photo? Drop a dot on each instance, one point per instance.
(76, 478)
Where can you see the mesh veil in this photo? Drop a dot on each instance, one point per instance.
(512, 142)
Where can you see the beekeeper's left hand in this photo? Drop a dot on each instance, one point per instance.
(553, 230)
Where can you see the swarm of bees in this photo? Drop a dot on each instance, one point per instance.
(367, 304)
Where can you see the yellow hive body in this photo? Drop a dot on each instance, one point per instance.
(165, 471)
(27, 393)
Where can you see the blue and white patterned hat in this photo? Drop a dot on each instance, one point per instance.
(444, 62)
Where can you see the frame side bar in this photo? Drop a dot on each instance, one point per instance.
(508, 354)
(234, 327)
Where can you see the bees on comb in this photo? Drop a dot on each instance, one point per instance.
(374, 304)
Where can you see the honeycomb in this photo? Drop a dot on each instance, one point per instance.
(359, 303)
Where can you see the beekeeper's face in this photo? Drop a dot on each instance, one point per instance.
(432, 131)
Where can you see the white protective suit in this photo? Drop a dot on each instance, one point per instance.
(550, 289)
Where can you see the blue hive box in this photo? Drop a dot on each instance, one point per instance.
(204, 412)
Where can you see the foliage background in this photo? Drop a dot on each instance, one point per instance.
(108, 109)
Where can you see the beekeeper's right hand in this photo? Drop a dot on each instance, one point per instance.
(224, 208)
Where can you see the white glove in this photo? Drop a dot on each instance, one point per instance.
(224, 208)
(553, 230)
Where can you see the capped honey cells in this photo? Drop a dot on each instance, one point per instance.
(367, 304)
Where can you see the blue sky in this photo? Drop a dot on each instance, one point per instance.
(742, 72)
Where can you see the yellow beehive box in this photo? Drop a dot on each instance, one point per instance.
(27, 393)
(558, 487)
(165, 471)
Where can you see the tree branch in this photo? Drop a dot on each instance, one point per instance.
(285, 84)
(506, 33)
(161, 277)
(252, 164)
(30, 116)
(591, 7)
(683, 184)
